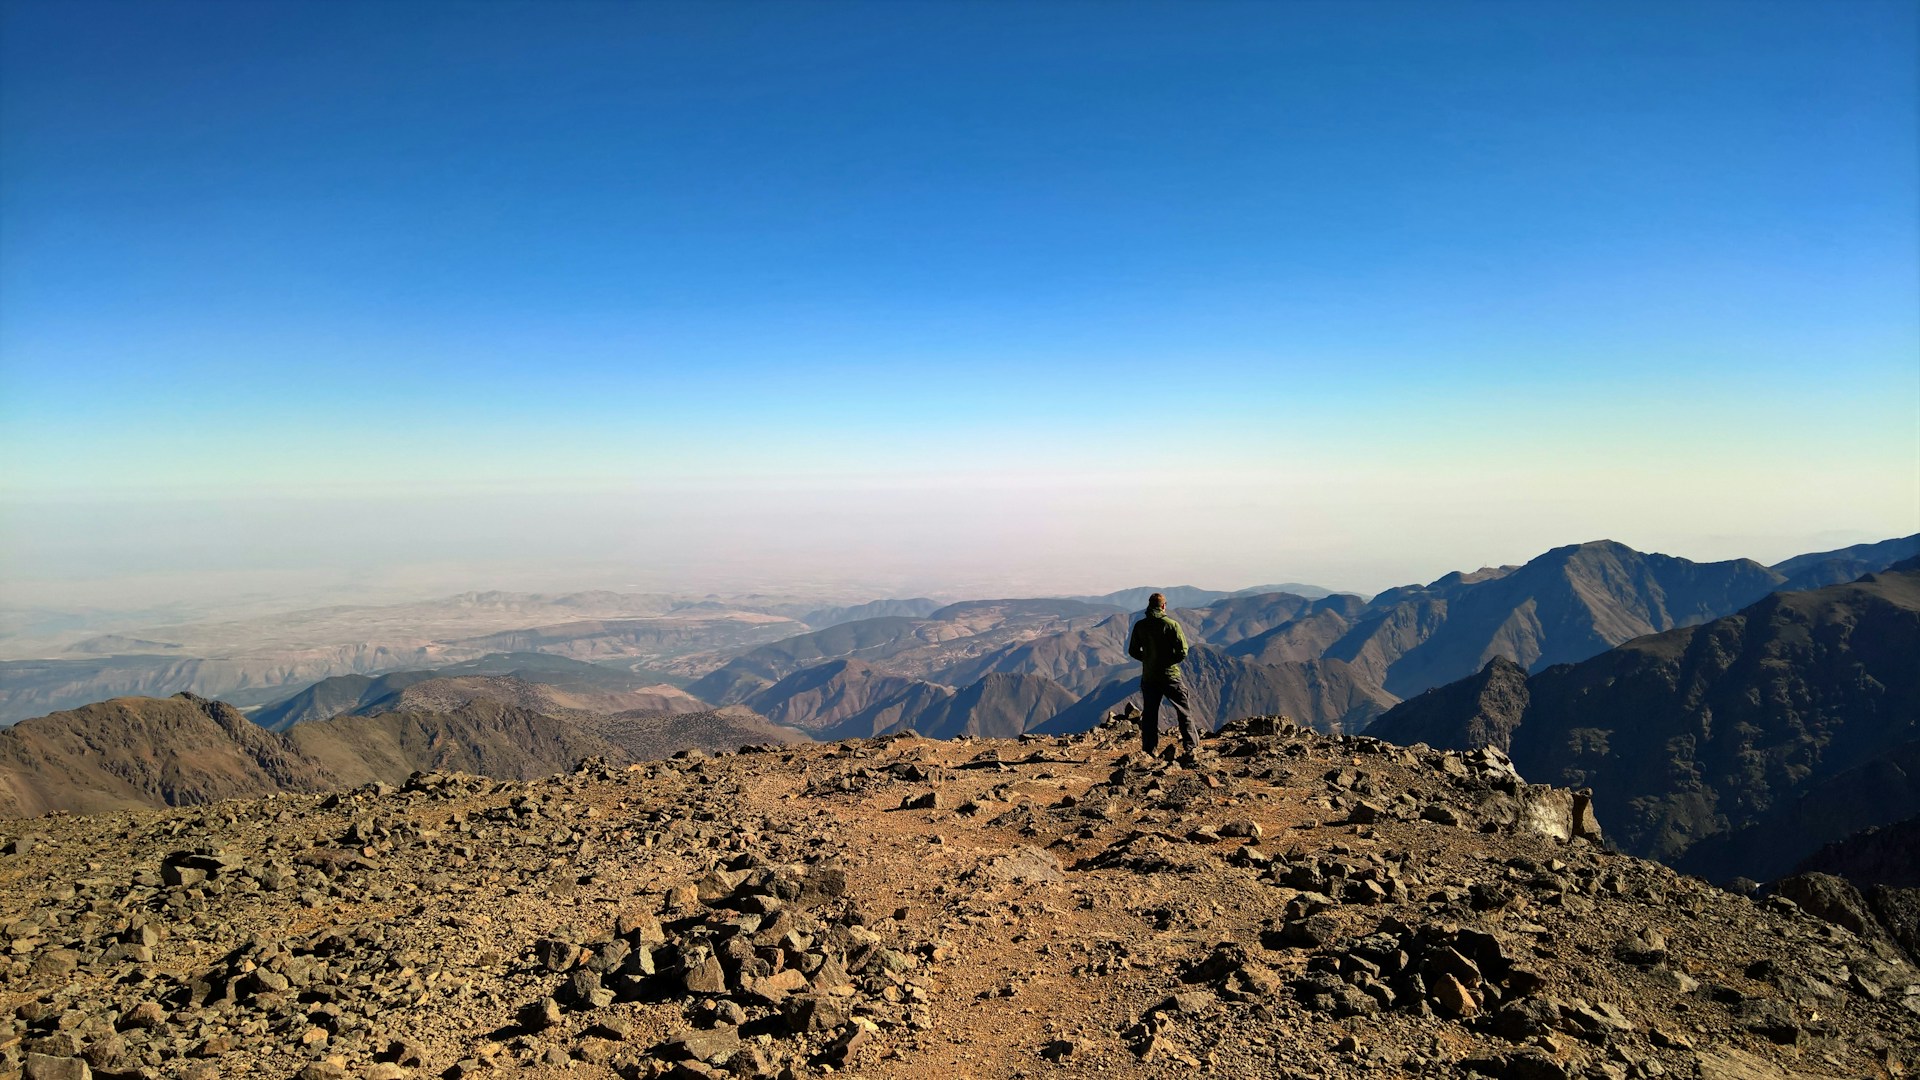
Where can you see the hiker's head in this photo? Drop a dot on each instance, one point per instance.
(1157, 602)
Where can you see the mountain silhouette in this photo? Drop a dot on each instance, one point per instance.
(1566, 605)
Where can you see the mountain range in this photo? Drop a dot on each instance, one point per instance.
(1333, 660)
(1491, 645)
(1732, 747)
(556, 681)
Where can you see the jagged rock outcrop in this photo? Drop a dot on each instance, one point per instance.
(1492, 704)
(1883, 863)
(1881, 855)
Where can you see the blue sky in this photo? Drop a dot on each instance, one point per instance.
(1356, 290)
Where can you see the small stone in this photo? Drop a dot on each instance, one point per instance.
(613, 1029)
(814, 1012)
(1644, 950)
(555, 955)
(147, 1014)
(640, 927)
(704, 975)
(1455, 999)
(823, 883)
(582, 986)
(776, 987)
(540, 1015)
(1676, 980)
(181, 876)
(107, 1054)
(713, 1047)
(849, 1042)
(761, 904)
(595, 1051)
(55, 963)
(1188, 1003)
(43, 1067)
(1311, 932)
(1677, 1040)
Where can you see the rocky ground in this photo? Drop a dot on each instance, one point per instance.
(1288, 904)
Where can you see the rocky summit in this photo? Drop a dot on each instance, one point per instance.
(1282, 904)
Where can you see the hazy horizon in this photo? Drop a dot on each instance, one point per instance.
(307, 301)
(257, 582)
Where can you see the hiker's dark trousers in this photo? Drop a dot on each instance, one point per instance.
(1153, 690)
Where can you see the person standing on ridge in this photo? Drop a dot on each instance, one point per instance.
(1159, 644)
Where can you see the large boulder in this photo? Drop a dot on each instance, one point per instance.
(1831, 898)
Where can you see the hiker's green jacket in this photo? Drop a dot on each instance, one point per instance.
(1159, 644)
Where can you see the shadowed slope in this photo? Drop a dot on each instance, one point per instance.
(1747, 721)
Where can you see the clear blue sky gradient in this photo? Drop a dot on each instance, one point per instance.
(270, 247)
